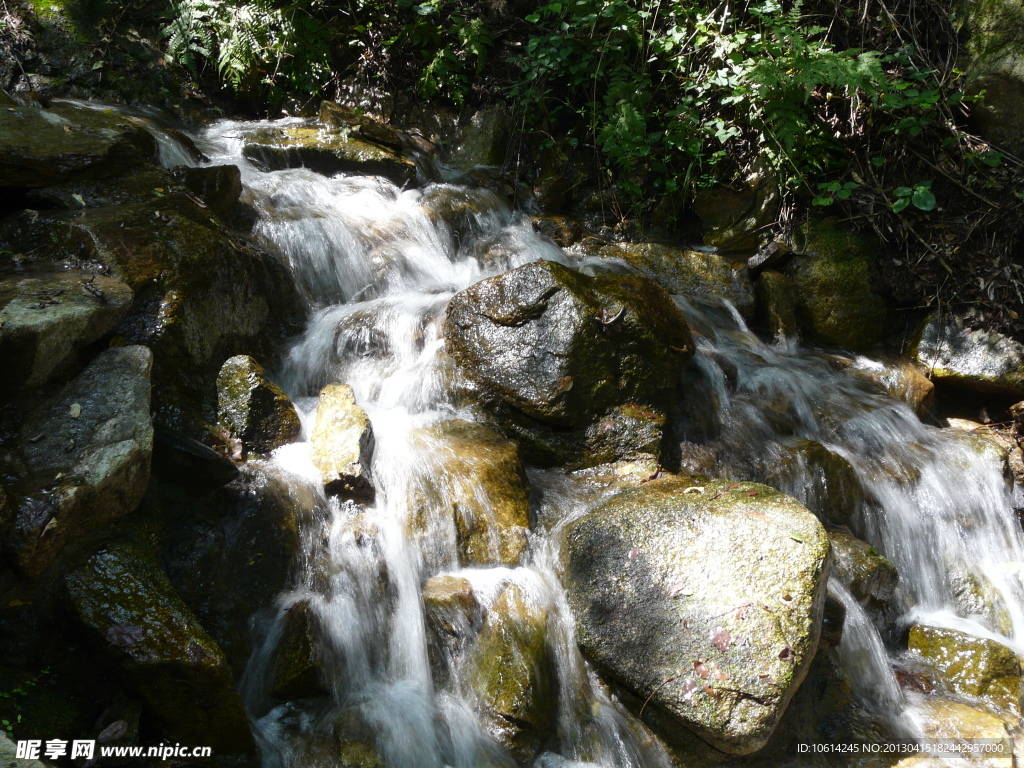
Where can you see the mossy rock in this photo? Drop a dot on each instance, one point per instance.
(704, 601)
(694, 274)
(513, 673)
(483, 139)
(776, 305)
(297, 665)
(343, 443)
(219, 186)
(561, 229)
(970, 665)
(123, 597)
(832, 273)
(453, 617)
(827, 483)
(325, 151)
(254, 409)
(471, 478)
(902, 379)
(869, 576)
(985, 361)
(737, 219)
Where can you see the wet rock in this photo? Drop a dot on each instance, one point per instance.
(482, 140)
(342, 443)
(453, 618)
(123, 597)
(835, 302)
(982, 360)
(254, 409)
(471, 476)
(297, 673)
(200, 295)
(1017, 411)
(39, 147)
(9, 755)
(706, 601)
(903, 380)
(325, 151)
(232, 553)
(219, 186)
(628, 432)
(512, 673)
(563, 230)
(694, 274)
(361, 126)
(955, 722)
(825, 481)
(869, 576)
(736, 219)
(47, 318)
(970, 665)
(776, 305)
(149, 183)
(464, 210)
(198, 469)
(975, 596)
(87, 454)
(553, 351)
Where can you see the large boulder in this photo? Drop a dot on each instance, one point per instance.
(986, 361)
(704, 601)
(554, 353)
(832, 273)
(694, 274)
(970, 665)
(201, 296)
(86, 454)
(47, 318)
(39, 147)
(123, 597)
(253, 408)
(470, 486)
(343, 443)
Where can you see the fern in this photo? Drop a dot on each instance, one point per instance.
(190, 33)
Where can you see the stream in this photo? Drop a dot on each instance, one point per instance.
(376, 266)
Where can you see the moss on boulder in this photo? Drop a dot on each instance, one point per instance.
(254, 409)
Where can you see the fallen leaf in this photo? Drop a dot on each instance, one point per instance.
(787, 653)
(721, 639)
(15, 603)
(49, 526)
(758, 515)
(720, 676)
(113, 732)
(788, 601)
(710, 691)
(752, 493)
(76, 410)
(687, 688)
(679, 589)
(741, 612)
(701, 670)
(732, 486)
(695, 489)
(797, 537)
(124, 634)
(633, 553)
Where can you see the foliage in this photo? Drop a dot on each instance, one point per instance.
(14, 697)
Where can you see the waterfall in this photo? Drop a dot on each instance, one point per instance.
(376, 265)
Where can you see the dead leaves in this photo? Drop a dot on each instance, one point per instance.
(721, 639)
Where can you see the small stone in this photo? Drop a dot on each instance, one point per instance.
(343, 443)
(254, 409)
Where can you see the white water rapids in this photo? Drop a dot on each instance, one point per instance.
(376, 265)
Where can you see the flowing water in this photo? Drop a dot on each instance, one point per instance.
(376, 266)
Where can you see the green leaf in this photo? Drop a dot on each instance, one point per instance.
(923, 199)
(900, 204)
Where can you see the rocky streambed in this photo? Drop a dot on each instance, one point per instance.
(317, 450)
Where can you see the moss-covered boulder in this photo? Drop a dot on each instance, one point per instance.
(955, 722)
(48, 317)
(736, 219)
(219, 186)
(704, 601)
(870, 577)
(553, 351)
(325, 151)
(470, 483)
(201, 296)
(825, 482)
(561, 229)
(86, 454)
(297, 666)
(904, 380)
(776, 304)
(512, 673)
(123, 597)
(230, 554)
(483, 139)
(254, 409)
(970, 665)
(39, 147)
(694, 274)
(983, 360)
(453, 617)
(832, 273)
(361, 126)
(343, 443)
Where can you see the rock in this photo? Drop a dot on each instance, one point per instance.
(705, 603)
(146, 183)
(342, 443)
(254, 409)
(944, 720)
(553, 352)
(361, 126)
(982, 360)
(219, 186)
(824, 481)
(47, 318)
(201, 296)
(9, 755)
(297, 663)
(470, 477)
(466, 211)
(1017, 411)
(772, 254)
(628, 432)
(453, 618)
(232, 553)
(325, 151)
(776, 305)
(903, 380)
(39, 147)
(87, 454)
(870, 577)
(736, 219)
(694, 274)
(512, 674)
(970, 665)
(198, 469)
(483, 140)
(835, 302)
(123, 597)
(563, 230)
